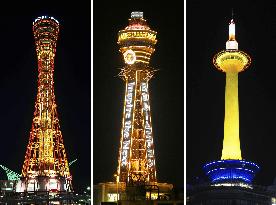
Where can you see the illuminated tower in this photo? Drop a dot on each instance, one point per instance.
(231, 168)
(45, 166)
(136, 154)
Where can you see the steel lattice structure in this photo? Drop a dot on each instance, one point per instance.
(45, 156)
(136, 155)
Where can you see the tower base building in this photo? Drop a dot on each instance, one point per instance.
(113, 192)
(43, 183)
(207, 194)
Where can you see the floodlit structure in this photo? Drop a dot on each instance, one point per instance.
(231, 168)
(45, 166)
(136, 173)
(136, 155)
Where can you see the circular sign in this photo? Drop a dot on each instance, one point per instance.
(129, 57)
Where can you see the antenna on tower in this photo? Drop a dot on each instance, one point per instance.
(232, 13)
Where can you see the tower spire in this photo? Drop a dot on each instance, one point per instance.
(232, 30)
(232, 44)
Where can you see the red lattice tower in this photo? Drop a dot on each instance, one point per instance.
(46, 165)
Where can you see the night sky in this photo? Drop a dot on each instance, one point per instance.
(207, 32)
(166, 88)
(72, 77)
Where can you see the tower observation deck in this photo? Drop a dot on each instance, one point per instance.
(231, 167)
(45, 166)
(136, 155)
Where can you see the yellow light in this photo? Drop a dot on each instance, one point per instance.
(151, 196)
(231, 141)
(231, 62)
(150, 35)
(112, 197)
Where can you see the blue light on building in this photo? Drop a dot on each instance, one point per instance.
(231, 171)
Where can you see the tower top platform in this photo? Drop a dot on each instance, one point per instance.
(137, 30)
(231, 59)
(45, 18)
(137, 40)
(136, 14)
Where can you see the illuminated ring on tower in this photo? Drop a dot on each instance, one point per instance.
(45, 17)
(231, 60)
(231, 171)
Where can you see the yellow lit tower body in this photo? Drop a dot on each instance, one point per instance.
(136, 155)
(231, 61)
(45, 166)
(231, 167)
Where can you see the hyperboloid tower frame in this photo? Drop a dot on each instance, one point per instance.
(45, 166)
(231, 168)
(136, 155)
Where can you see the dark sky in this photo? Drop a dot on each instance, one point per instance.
(166, 88)
(72, 77)
(207, 32)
